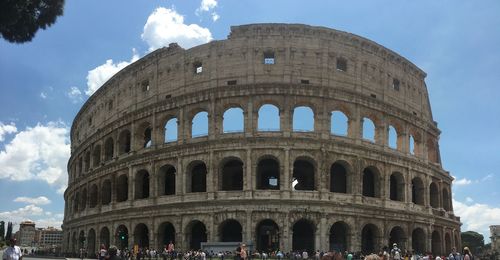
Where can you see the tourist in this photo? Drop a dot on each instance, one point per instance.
(454, 255)
(243, 252)
(467, 255)
(395, 252)
(102, 252)
(113, 253)
(13, 252)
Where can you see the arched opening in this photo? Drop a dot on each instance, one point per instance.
(267, 236)
(338, 178)
(147, 136)
(233, 120)
(268, 174)
(104, 237)
(106, 192)
(199, 125)
(303, 236)
(368, 129)
(87, 161)
(142, 185)
(397, 187)
(81, 240)
(303, 119)
(79, 167)
(339, 233)
(83, 200)
(93, 196)
(96, 156)
(339, 123)
(446, 200)
(166, 234)
(417, 191)
(418, 240)
(122, 188)
(447, 243)
(436, 243)
(397, 236)
(392, 137)
(74, 242)
(303, 175)
(198, 175)
(457, 241)
(197, 234)
(230, 231)
(124, 140)
(232, 175)
(268, 118)
(109, 149)
(76, 202)
(434, 195)
(369, 241)
(91, 241)
(411, 142)
(171, 130)
(432, 154)
(122, 237)
(167, 180)
(371, 183)
(141, 235)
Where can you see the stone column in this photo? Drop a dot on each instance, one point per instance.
(249, 174)
(249, 121)
(285, 183)
(213, 117)
(286, 124)
(180, 177)
(181, 127)
(131, 186)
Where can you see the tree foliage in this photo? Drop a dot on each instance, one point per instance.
(473, 240)
(9, 231)
(2, 230)
(21, 19)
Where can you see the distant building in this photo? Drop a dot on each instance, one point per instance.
(495, 237)
(49, 237)
(26, 236)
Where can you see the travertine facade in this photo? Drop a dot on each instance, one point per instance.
(132, 183)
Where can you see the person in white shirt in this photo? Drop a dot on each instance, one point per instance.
(13, 252)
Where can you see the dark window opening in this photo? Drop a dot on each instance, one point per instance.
(197, 235)
(87, 161)
(338, 178)
(304, 81)
(110, 105)
(122, 188)
(268, 172)
(93, 196)
(108, 149)
(418, 241)
(199, 178)
(232, 175)
(434, 195)
(369, 183)
(106, 192)
(141, 236)
(395, 84)
(303, 175)
(145, 86)
(124, 142)
(368, 239)
(397, 236)
(147, 138)
(142, 185)
(269, 57)
(122, 233)
(373, 95)
(83, 200)
(417, 191)
(231, 231)
(232, 82)
(167, 233)
(198, 67)
(396, 187)
(96, 156)
(167, 179)
(303, 236)
(338, 237)
(446, 200)
(341, 64)
(268, 239)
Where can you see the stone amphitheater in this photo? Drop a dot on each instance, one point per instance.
(205, 145)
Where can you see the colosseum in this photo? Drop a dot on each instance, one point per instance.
(284, 136)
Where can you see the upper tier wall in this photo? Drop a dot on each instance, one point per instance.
(301, 52)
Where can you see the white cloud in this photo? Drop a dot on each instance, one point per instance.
(38, 153)
(43, 95)
(487, 177)
(42, 200)
(75, 95)
(98, 76)
(22, 213)
(207, 6)
(6, 129)
(166, 26)
(215, 16)
(462, 182)
(477, 217)
(469, 200)
(31, 213)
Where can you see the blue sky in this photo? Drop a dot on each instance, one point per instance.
(44, 83)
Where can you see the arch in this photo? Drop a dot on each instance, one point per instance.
(231, 174)
(104, 237)
(339, 235)
(417, 191)
(397, 187)
(141, 235)
(167, 174)
(303, 236)
(418, 240)
(392, 137)
(411, 144)
(106, 192)
(73, 243)
(81, 239)
(303, 119)
(83, 199)
(339, 123)
(371, 182)
(268, 118)
(87, 161)
(170, 130)
(368, 129)
(457, 241)
(230, 231)
(447, 243)
(267, 236)
(93, 196)
(197, 177)
(199, 124)
(197, 233)
(446, 200)
(268, 174)
(432, 153)
(233, 120)
(303, 175)
(398, 236)
(91, 245)
(76, 202)
(436, 243)
(166, 234)
(124, 141)
(338, 178)
(109, 149)
(122, 188)
(96, 156)
(369, 239)
(142, 184)
(434, 195)
(122, 237)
